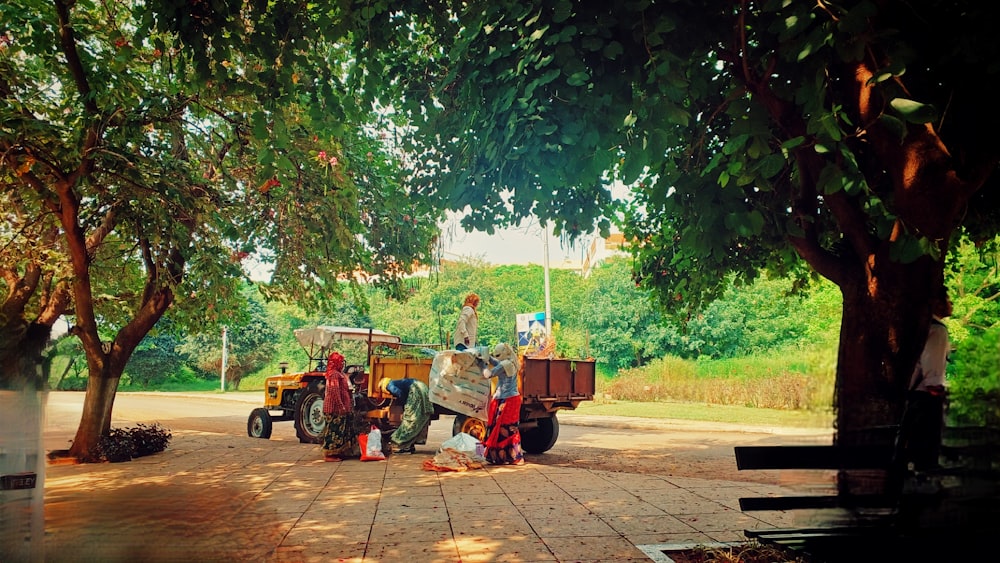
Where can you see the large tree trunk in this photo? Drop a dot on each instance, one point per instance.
(95, 421)
(106, 363)
(886, 315)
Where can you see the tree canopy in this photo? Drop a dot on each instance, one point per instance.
(149, 149)
(851, 137)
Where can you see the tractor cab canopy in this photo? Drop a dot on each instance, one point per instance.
(318, 342)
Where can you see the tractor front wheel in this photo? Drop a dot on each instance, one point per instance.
(259, 424)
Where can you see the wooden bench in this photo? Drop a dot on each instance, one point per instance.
(860, 523)
(815, 457)
(904, 520)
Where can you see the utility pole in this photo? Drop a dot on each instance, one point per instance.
(548, 300)
(225, 358)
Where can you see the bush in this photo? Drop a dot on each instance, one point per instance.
(974, 380)
(795, 381)
(125, 444)
(73, 384)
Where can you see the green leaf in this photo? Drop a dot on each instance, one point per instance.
(793, 142)
(578, 78)
(613, 50)
(913, 111)
(907, 249)
(258, 123)
(771, 165)
(562, 11)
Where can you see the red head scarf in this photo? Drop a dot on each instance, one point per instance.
(335, 362)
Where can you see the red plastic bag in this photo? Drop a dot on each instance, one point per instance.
(371, 445)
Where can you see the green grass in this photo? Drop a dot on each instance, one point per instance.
(707, 412)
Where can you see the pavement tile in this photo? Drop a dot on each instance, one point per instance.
(598, 548)
(542, 511)
(544, 496)
(718, 521)
(510, 528)
(311, 554)
(470, 487)
(413, 501)
(389, 533)
(638, 525)
(615, 507)
(479, 499)
(403, 516)
(503, 549)
(333, 533)
(232, 498)
(424, 552)
(467, 512)
(571, 526)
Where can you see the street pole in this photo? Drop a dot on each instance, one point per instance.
(548, 300)
(225, 358)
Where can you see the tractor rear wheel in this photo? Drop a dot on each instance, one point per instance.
(470, 425)
(309, 419)
(542, 437)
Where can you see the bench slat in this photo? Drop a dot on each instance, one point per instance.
(817, 502)
(813, 457)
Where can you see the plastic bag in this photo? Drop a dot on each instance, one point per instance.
(463, 442)
(371, 445)
(456, 382)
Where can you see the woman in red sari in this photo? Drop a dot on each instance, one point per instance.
(503, 438)
(339, 438)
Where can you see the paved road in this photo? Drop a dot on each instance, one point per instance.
(648, 446)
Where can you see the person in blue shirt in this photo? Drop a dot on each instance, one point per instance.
(417, 410)
(503, 437)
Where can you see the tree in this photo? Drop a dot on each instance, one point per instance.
(626, 330)
(853, 138)
(154, 360)
(251, 343)
(148, 149)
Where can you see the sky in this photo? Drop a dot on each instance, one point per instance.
(524, 244)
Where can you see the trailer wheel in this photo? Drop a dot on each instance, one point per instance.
(470, 425)
(259, 424)
(309, 420)
(542, 437)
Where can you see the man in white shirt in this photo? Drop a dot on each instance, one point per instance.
(923, 419)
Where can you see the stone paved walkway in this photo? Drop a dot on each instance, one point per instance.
(212, 497)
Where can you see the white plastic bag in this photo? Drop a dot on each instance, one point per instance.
(463, 442)
(371, 445)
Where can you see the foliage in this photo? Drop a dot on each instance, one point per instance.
(625, 329)
(973, 272)
(251, 344)
(789, 381)
(974, 380)
(843, 140)
(749, 320)
(151, 150)
(125, 444)
(154, 360)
